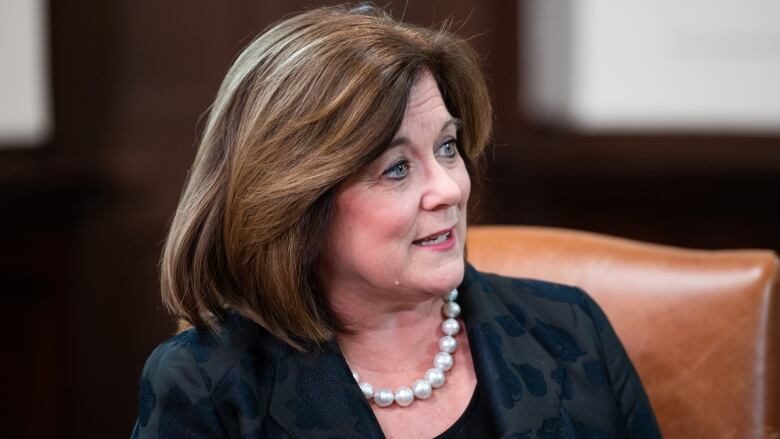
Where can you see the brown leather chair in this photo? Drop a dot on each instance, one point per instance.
(702, 327)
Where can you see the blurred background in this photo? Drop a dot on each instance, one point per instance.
(658, 122)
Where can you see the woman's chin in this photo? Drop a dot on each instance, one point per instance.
(446, 278)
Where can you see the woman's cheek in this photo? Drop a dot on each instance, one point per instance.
(396, 216)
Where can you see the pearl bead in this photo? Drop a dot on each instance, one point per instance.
(448, 344)
(450, 326)
(404, 396)
(443, 361)
(357, 377)
(422, 389)
(451, 296)
(451, 309)
(435, 376)
(367, 389)
(383, 397)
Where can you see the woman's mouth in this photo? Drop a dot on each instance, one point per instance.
(440, 240)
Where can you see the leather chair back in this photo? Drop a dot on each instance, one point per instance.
(701, 327)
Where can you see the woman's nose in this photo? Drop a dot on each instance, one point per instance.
(442, 189)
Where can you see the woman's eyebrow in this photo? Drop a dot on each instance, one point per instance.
(453, 121)
(405, 141)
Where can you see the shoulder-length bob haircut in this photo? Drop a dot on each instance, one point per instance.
(310, 102)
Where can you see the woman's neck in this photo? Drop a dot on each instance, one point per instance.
(394, 340)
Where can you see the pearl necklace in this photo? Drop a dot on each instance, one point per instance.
(434, 377)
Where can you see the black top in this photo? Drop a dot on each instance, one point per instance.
(473, 423)
(547, 361)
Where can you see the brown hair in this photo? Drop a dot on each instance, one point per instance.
(308, 103)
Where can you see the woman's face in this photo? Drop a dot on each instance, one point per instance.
(400, 225)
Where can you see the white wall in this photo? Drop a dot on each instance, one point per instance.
(689, 65)
(25, 102)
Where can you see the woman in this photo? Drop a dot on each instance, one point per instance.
(318, 249)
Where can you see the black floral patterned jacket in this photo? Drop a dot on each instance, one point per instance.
(548, 364)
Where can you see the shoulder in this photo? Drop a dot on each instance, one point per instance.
(237, 344)
(562, 334)
(552, 328)
(539, 301)
(217, 376)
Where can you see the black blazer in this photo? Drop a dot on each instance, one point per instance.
(548, 364)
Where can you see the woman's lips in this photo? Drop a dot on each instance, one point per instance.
(442, 240)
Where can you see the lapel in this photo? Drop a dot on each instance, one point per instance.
(513, 370)
(315, 395)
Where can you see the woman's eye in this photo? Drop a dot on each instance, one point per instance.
(397, 171)
(449, 148)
